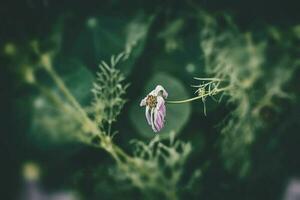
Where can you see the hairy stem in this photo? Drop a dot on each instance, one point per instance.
(214, 92)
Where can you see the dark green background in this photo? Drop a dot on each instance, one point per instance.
(24, 20)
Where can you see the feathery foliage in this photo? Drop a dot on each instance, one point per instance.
(108, 93)
(255, 81)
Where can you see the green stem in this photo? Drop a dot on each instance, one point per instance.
(66, 92)
(198, 97)
(47, 64)
(116, 152)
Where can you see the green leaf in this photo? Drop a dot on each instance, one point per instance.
(105, 36)
(55, 124)
(177, 114)
(78, 79)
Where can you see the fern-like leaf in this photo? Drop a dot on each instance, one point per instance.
(109, 91)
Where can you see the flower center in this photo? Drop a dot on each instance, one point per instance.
(151, 101)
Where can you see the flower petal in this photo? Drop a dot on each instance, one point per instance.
(161, 105)
(156, 116)
(160, 90)
(158, 121)
(148, 115)
(143, 102)
(162, 109)
(152, 120)
(160, 113)
(160, 100)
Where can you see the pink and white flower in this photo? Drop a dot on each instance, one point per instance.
(155, 108)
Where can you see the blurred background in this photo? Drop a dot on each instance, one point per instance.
(245, 148)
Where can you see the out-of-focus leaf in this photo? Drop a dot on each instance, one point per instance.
(55, 123)
(111, 35)
(78, 79)
(177, 114)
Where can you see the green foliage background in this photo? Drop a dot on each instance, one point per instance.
(245, 148)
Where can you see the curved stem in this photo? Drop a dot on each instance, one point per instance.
(198, 97)
(85, 119)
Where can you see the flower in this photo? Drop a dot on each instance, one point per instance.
(155, 107)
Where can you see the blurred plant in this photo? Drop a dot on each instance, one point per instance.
(93, 126)
(256, 80)
(32, 187)
(108, 94)
(158, 167)
(170, 35)
(292, 191)
(240, 67)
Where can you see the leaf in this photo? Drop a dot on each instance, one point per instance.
(177, 114)
(78, 79)
(105, 36)
(55, 124)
